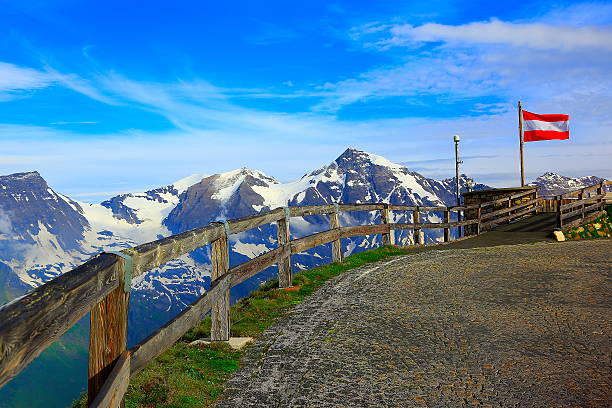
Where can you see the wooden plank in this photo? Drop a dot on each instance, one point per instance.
(387, 237)
(311, 210)
(359, 230)
(479, 219)
(242, 272)
(447, 229)
(513, 208)
(253, 221)
(153, 254)
(434, 225)
(494, 202)
(580, 211)
(112, 392)
(220, 316)
(402, 226)
(571, 194)
(503, 199)
(167, 335)
(592, 207)
(361, 207)
(29, 324)
(465, 222)
(523, 194)
(334, 223)
(548, 204)
(108, 321)
(506, 218)
(558, 211)
(421, 208)
(578, 203)
(311, 241)
(396, 207)
(284, 262)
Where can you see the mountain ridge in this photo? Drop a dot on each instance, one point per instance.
(36, 251)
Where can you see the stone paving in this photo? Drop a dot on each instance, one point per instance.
(507, 326)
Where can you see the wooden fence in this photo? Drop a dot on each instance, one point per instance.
(101, 286)
(576, 207)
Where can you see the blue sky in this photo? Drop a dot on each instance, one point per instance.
(108, 97)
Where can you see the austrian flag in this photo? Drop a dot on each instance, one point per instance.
(544, 127)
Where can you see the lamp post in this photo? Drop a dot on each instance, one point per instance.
(456, 138)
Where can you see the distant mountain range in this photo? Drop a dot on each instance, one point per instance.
(44, 233)
(555, 184)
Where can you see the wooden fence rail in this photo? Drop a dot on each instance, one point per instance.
(579, 206)
(31, 323)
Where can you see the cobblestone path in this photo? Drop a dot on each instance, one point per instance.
(523, 325)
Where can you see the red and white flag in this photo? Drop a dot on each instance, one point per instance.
(544, 127)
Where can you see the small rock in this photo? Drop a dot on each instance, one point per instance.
(234, 342)
(559, 236)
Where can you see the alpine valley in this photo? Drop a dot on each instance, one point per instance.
(44, 234)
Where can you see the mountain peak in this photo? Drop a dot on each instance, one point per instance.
(28, 175)
(27, 181)
(352, 157)
(553, 184)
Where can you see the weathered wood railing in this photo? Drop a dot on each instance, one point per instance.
(588, 202)
(100, 286)
(575, 207)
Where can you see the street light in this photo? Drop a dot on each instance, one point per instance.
(456, 138)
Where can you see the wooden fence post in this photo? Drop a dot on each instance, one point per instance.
(416, 219)
(558, 205)
(387, 238)
(478, 216)
(107, 332)
(284, 265)
(509, 206)
(334, 222)
(602, 200)
(220, 318)
(447, 229)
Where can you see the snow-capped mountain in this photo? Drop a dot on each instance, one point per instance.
(554, 184)
(43, 233)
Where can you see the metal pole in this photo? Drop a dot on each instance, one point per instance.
(457, 163)
(520, 112)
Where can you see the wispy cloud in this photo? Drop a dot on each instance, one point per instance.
(532, 35)
(491, 64)
(16, 80)
(549, 65)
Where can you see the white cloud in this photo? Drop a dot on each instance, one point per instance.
(549, 65)
(532, 35)
(14, 80)
(214, 134)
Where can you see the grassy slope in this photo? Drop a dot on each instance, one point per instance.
(185, 376)
(599, 228)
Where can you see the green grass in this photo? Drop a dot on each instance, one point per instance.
(590, 230)
(185, 376)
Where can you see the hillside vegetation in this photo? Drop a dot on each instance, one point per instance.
(193, 376)
(599, 228)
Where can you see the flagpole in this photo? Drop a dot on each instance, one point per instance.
(520, 112)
